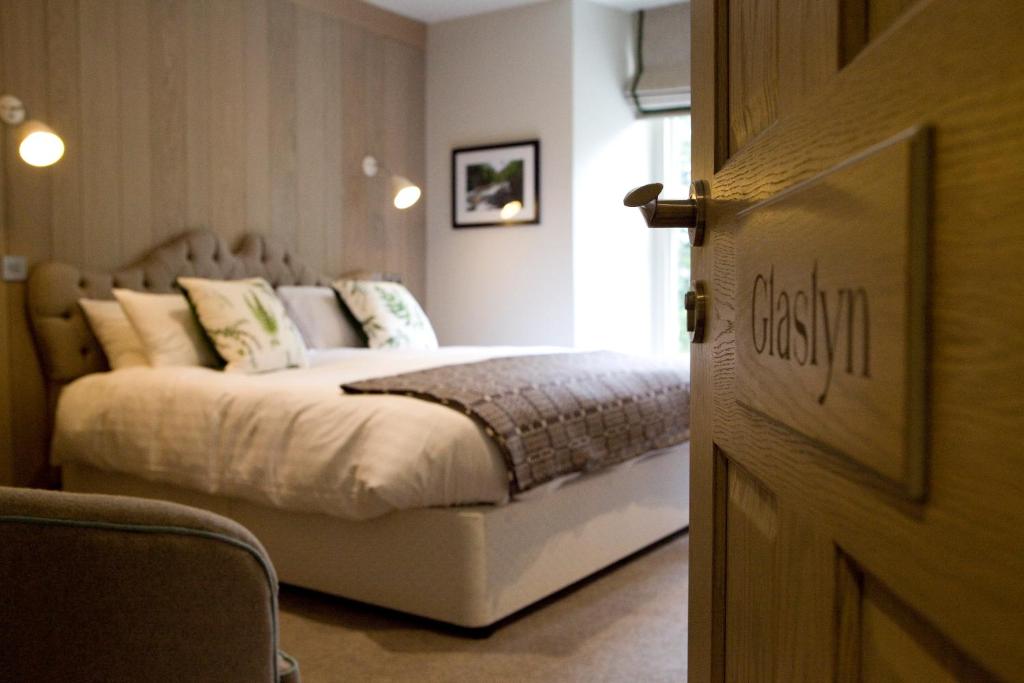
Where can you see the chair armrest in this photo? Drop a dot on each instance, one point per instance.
(111, 588)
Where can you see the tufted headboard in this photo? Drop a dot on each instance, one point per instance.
(65, 343)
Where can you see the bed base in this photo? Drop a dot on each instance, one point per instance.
(469, 566)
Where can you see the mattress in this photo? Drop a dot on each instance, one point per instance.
(289, 439)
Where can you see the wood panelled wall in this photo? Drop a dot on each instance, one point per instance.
(238, 115)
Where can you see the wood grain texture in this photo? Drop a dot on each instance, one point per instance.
(778, 54)
(778, 582)
(372, 88)
(955, 560)
(311, 163)
(861, 21)
(133, 86)
(356, 120)
(334, 158)
(896, 645)
(28, 193)
(283, 178)
(751, 581)
(373, 20)
(65, 115)
(198, 35)
(227, 120)
(100, 131)
(710, 121)
(847, 627)
(883, 13)
(808, 50)
(828, 339)
(411, 69)
(167, 116)
(238, 115)
(257, 116)
(853, 29)
(25, 57)
(804, 600)
(753, 68)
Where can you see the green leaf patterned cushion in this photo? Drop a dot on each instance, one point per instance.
(247, 324)
(390, 315)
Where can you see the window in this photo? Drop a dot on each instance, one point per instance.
(670, 250)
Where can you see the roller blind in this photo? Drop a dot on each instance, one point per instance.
(662, 79)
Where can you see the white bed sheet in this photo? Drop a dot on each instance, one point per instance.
(290, 439)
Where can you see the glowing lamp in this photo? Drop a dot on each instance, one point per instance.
(38, 144)
(511, 210)
(404, 192)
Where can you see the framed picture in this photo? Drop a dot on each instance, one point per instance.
(496, 185)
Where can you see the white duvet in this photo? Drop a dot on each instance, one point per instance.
(290, 439)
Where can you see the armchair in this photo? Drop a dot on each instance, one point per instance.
(106, 588)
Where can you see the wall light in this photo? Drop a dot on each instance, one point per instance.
(404, 192)
(38, 145)
(511, 210)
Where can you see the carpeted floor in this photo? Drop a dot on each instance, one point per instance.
(628, 623)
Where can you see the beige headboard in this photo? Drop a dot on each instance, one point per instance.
(67, 348)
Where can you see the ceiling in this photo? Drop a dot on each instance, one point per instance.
(431, 11)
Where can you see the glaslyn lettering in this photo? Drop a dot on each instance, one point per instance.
(805, 326)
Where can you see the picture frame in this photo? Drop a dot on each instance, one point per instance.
(496, 185)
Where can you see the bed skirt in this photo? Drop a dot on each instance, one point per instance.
(469, 566)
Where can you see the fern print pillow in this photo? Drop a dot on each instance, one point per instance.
(390, 315)
(247, 324)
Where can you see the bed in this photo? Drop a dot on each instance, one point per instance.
(434, 535)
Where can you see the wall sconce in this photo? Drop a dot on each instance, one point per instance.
(404, 191)
(38, 145)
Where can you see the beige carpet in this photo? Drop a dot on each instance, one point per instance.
(626, 624)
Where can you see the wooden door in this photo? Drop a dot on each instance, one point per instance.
(858, 449)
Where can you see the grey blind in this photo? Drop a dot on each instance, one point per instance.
(662, 79)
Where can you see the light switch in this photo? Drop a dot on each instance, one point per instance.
(15, 269)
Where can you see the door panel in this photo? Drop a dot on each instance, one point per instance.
(896, 645)
(753, 68)
(865, 20)
(830, 322)
(751, 578)
(896, 586)
(886, 641)
(778, 596)
(808, 50)
(804, 620)
(779, 53)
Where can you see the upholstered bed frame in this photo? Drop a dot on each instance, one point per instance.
(469, 566)
(67, 348)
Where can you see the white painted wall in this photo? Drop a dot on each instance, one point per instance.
(611, 154)
(554, 71)
(495, 78)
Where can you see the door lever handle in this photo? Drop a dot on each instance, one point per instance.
(672, 213)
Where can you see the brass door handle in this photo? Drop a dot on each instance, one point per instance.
(672, 213)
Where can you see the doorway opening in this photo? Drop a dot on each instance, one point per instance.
(670, 248)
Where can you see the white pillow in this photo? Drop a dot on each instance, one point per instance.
(389, 313)
(247, 323)
(320, 318)
(168, 329)
(119, 340)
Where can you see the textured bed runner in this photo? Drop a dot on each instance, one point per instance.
(556, 414)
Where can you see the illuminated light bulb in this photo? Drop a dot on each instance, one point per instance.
(406, 194)
(511, 210)
(40, 146)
